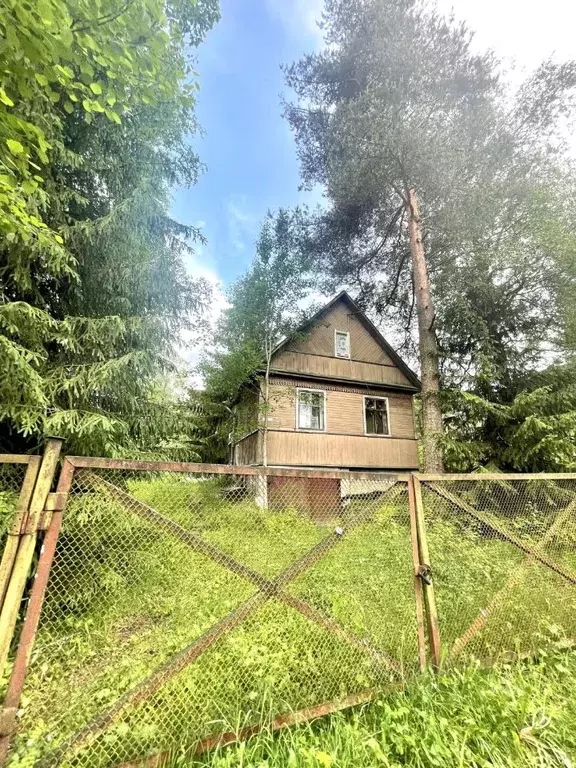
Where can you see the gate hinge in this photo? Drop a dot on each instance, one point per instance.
(424, 572)
(7, 721)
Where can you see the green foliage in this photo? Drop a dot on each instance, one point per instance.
(90, 60)
(93, 288)
(398, 98)
(516, 716)
(264, 308)
(533, 432)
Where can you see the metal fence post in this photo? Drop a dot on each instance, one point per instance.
(16, 582)
(428, 586)
(30, 627)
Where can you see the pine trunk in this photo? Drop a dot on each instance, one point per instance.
(428, 344)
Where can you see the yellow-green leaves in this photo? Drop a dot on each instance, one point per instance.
(96, 88)
(15, 147)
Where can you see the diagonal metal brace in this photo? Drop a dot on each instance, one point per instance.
(269, 588)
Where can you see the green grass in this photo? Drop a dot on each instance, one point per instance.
(510, 716)
(124, 597)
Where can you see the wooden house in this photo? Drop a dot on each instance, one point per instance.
(340, 397)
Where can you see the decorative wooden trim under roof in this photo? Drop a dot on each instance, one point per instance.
(345, 297)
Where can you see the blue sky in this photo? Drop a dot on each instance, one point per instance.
(247, 148)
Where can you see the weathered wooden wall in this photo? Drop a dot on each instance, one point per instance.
(344, 408)
(309, 449)
(247, 450)
(314, 352)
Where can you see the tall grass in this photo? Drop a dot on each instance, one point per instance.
(511, 716)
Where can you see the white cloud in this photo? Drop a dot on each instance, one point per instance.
(299, 17)
(242, 224)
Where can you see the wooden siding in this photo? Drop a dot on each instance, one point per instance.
(246, 413)
(348, 451)
(339, 368)
(314, 352)
(247, 451)
(319, 340)
(344, 409)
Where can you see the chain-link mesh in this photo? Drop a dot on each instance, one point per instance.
(183, 605)
(503, 557)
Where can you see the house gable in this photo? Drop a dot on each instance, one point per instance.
(372, 360)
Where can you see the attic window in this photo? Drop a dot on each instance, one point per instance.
(342, 344)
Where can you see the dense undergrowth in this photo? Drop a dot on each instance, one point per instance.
(125, 596)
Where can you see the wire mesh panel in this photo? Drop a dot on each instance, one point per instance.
(503, 557)
(186, 604)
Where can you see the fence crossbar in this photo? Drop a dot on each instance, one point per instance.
(269, 588)
(513, 580)
(542, 558)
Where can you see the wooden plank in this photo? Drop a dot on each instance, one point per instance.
(24, 555)
(417, 580)
(20, 515)
(502, 532)
(429, 595)
(16, 458)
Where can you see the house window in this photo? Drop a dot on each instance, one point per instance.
(376, 416)
(342, 344)
(311, 409)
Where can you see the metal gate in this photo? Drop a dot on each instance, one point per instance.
(503, 554)
(188, 604)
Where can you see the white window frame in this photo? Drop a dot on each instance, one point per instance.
(342, 333)
(374, 434)
(318, 392)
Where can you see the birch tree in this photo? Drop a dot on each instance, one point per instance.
(264, 308)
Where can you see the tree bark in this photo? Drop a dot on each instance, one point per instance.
(266, 399)
(427, 342)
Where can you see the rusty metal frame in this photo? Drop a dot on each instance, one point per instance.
(533, 554)
(268, 589)
(30, 626)
(47, 516)
(418, 590)
(502, 532)
(86, 462)
(515, 577)
(284, 720)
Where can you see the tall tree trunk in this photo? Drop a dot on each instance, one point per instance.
(428, 344)
(265, 409)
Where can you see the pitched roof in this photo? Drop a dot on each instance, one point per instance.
(345, 297)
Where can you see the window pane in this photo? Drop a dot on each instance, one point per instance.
(342, 349)
(376, 417)
(310, 410)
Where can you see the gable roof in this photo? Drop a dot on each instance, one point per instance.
(345, 298)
